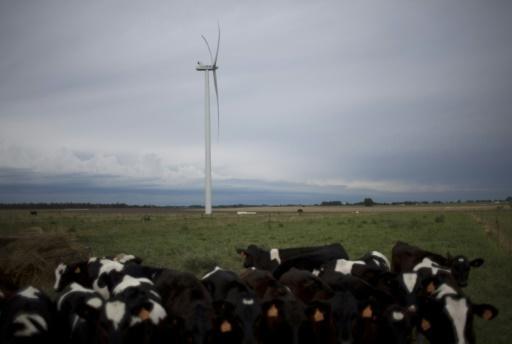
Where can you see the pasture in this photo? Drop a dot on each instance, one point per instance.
(187, 240)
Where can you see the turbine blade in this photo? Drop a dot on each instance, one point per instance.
(218, 42)
(209, 50)
(217, 98)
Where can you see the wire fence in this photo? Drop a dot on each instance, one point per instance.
(497, 225)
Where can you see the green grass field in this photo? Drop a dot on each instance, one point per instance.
(190, 241)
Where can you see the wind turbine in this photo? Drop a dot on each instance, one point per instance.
(207, 126)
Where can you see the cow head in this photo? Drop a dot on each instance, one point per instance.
(67, 274)
(254, 256)
(460, 266)
(319, 326)
(395, 325)
(449, 319)
(345, 315)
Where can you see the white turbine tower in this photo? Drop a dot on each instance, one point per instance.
(207, 127)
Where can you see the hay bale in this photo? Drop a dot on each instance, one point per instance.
(33, 259)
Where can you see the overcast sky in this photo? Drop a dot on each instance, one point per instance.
(320, 100)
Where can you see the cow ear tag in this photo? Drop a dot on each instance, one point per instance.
(425, 325)
(367, 312)
(77, 270)
(273, 312)
(431, 288)
(144, 314)
(225, 327)
(488, 315)
(318, 316)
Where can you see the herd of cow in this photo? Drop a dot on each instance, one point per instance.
(293, 295)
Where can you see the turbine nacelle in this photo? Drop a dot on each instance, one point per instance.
(204, 67)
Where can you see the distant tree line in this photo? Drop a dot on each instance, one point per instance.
(366, 202)
(369, 202)
(66, 205)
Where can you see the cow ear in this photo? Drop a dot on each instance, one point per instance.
(477, 262)
(485, 311)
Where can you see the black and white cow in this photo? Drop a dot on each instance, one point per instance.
(401, 288)
(28, 317)
(124, 258)
(447, 316)
(88, 271)
(76, 272)
(371, 263)
(100, 271)
(281, 260)
(79, 311)
(408, 258)
(133, 314)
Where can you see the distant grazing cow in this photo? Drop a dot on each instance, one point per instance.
(281, 260)
(33, 212)
(408, 258)
(28, 317)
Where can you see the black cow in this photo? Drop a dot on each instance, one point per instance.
(236, 306)
(306, 286)
(258, 280)
(281, 319)
(187, 303)
(79, 311)
(281, 260)
(320, 325)
(28, 317)
(408, 258)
